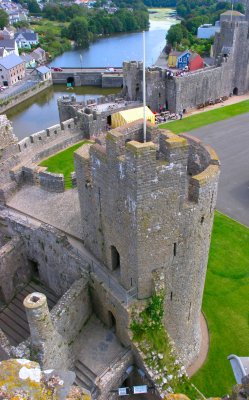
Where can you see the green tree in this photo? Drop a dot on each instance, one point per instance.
(33, 7)
(4, 19)
(175, 35)
(78, 31)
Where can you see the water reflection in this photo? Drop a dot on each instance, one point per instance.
(41, 110)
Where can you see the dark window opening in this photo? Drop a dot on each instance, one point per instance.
(131, 281)
(171, 296)
(69, 126)
(115, 258)
(48, 134)
(235, 91)
(112, 321)
(34, 269)
(55, 132)
(202, 220)
(167, 105)
(109, 120)
(174, 249)
(159, 94)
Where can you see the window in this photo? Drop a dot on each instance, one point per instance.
(115, 258)
(174, 249)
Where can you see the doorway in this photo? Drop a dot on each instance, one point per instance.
(115, 258)
(112, 322)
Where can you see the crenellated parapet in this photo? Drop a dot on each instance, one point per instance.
(149, 206)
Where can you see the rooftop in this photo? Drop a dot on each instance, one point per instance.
(11, 61)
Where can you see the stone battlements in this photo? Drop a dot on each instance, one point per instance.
(170, 156)
(38, 139)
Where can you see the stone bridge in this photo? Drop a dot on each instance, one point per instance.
(89, 77)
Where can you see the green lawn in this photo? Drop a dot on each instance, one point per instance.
(208, 117)
(225, 305)
(63, 163)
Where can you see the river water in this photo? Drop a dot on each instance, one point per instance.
(41, 111)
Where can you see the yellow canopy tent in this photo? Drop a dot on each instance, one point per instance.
(124, 117)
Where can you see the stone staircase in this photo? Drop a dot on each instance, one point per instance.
(13, 320)
(85, 377)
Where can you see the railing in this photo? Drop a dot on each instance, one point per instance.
(23, 88)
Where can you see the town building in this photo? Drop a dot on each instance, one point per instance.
(30, 61)
(39, 55)
(195, 62)
(43, 72)
(12, 70)
(206, 31)
(185, 60)
(10, 46)
(26, 39)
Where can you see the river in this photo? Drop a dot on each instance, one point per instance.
(41, 111)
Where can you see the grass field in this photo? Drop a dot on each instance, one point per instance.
(63, 163)
(225, 305)
(208, 117)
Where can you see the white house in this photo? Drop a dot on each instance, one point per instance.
(12, 70)
(206, 31)
(43, 72)
(10, 46)
(25, 40)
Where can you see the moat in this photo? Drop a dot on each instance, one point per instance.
(41, 110)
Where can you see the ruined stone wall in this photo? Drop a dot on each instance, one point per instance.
(140, 213)
(58, 263)
(72, 310)
(9, 157)
(14, 268)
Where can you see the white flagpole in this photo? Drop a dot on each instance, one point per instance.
(144, 87)
(232, 12)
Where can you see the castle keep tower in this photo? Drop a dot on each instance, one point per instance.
(149, 206)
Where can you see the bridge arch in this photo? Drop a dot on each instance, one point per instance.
(70, 79)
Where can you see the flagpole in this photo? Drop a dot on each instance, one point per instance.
(144, 87)
(232, 12)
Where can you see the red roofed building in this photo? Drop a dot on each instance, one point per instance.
(195, 62)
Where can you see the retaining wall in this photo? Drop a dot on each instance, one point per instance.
(19, 98)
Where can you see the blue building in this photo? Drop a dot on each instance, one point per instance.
(183, 59)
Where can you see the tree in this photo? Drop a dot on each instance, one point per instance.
(4, 19)
(175, 35)
(33, 7)
(78, 31)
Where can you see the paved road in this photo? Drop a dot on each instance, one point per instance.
(230, 139)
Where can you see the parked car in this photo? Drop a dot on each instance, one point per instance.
(57, 69)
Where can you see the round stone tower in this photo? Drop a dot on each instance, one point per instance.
(47, 345)
(150, 206)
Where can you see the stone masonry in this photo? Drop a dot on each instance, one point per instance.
(229, 74)
(149, 206)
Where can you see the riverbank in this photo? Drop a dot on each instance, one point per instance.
(16, 99)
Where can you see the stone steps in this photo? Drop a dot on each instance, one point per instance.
(13, 320)
(85, 377)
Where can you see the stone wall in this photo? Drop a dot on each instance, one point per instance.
(136, 199)
(58, 263)
(72, 310)
(36, 141)
(9, 157)
(19, 98)
(52, 182)
(14, 268)
(229, 75)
